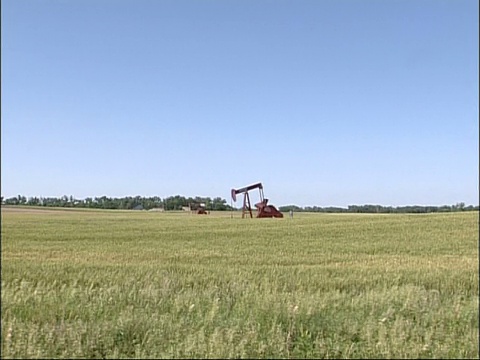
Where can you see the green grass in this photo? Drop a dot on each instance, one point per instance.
(124, 284)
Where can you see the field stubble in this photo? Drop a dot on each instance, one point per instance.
(120, 284)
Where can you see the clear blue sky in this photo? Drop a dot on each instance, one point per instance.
(327, 103)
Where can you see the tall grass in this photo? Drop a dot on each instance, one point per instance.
(124, 284)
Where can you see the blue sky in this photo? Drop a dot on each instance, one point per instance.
(327, 103)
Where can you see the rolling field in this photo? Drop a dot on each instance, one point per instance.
(124, 284)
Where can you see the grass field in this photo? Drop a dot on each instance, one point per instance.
(123, 284)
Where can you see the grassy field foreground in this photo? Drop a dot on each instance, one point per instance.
(123, 284)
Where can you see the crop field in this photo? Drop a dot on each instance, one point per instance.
(125, 284)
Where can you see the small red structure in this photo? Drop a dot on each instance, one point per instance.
(198, 208)
(263, 209)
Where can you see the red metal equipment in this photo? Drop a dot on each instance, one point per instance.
(263, 209)
(198, 208)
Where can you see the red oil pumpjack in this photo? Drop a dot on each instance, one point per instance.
(263, 210)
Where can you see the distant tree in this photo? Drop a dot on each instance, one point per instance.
(287, 208)
(33, 201)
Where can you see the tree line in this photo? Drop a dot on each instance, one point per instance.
(177, 202)
(416, 209)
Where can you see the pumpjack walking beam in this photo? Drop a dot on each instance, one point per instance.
(247, 207)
